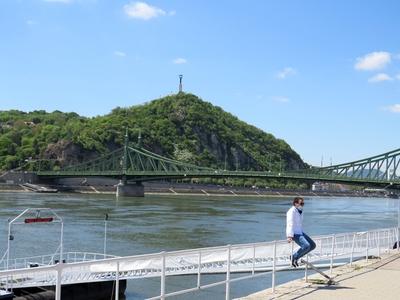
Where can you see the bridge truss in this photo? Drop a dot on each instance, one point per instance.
(383, 167)
(139, 164)
(129, 160)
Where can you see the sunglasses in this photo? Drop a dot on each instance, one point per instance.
(301, 204)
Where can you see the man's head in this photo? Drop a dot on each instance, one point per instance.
(298, 202)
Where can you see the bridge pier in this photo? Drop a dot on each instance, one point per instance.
(130, 190)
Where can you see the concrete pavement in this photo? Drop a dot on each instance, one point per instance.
(375, 279)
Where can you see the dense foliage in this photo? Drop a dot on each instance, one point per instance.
(180, 126)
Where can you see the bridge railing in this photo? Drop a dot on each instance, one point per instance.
(230, 264)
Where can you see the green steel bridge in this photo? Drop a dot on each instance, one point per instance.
(136, 164)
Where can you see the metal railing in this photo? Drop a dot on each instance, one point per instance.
(245, 261)
(51, 259)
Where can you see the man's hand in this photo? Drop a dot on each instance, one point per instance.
(289, 239)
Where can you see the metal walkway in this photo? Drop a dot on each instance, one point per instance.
(248, 260)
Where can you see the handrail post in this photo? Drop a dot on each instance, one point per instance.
(366, 246)
(398, 227)
(274, 268)
(58, 281)
(320, 248)
(352, 249)
(332, 253)
(117, 282)
(291, 251)
(398, 239)
(228, 274)
(162, 292)
(306, 271)
(393, 237)
(199, 272)
(379, 245)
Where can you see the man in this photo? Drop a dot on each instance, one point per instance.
(294, 231)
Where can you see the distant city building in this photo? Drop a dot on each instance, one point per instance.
(319, 187)
(327, 187)
(5, 125)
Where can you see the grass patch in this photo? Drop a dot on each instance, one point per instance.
(357, 267)
(317, 281)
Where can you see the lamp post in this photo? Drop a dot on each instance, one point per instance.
(398, 205)
(398, 224)
(105, 234)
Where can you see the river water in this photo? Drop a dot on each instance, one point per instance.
(157, 223)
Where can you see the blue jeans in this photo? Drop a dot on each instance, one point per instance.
(306, 245)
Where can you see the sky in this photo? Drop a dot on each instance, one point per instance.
(322, 75)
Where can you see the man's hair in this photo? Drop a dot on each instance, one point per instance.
(297, 200)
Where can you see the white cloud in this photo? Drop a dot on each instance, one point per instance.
(286, 72)
(380, 77)
(179, 61)
(119, 53)
(373, 61)
(395, 108)
(142, 10)
(31, 22)
(281, 99)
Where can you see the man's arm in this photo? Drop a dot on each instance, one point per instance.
(289, 225)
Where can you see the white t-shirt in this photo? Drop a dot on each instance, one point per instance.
(294, 222)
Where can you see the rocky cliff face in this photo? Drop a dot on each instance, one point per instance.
(68, 153)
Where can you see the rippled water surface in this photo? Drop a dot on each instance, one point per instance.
(157, 223)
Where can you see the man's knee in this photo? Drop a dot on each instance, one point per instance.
(312, 246)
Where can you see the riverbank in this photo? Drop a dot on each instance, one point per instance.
(20, 181)
(189, 190)
(376, 278)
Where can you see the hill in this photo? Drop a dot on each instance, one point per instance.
(180, 126)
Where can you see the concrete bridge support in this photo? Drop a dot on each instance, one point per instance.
(130, 190)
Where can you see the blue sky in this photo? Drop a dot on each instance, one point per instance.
(322, 75)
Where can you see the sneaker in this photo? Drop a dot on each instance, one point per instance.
(294, 262)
